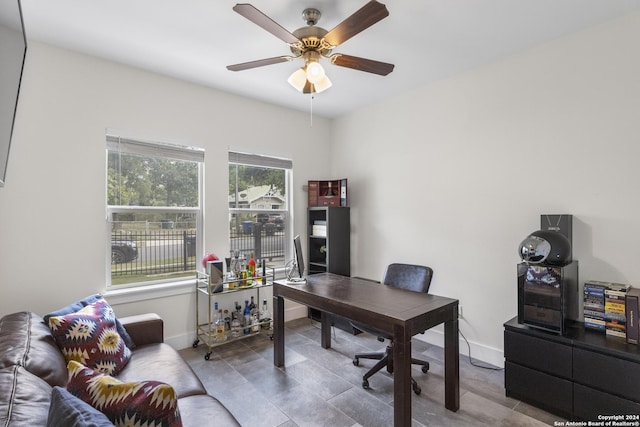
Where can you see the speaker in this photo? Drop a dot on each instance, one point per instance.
(548, 296)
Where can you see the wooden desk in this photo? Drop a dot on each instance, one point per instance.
(398, 312)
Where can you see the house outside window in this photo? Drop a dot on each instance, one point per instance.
(154, 214)
(260, 220)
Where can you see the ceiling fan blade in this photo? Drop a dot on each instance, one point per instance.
(361, 64)
(362, 19)
(262, 20)
(259, 63)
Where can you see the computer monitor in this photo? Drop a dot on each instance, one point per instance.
(299, 258)
(297, 264)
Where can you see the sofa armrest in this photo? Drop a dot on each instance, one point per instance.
(144, 328)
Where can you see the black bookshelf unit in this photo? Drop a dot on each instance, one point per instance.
(580, 375)
(329, 248)
(329, 251)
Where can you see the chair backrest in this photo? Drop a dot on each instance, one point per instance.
(415, 278)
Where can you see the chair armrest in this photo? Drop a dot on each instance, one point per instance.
(145, 328)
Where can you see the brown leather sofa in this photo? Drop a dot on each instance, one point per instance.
(31, 365)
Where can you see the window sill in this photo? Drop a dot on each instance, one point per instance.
(147, 292)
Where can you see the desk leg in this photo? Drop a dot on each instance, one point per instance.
(278, 331)
(451, 363)
(325, 330)
(401, 377)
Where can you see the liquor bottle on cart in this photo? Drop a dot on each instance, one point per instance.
(247, 318)
(219, 334)
(265, 316)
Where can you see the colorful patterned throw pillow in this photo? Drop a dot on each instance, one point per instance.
(76, 306)
(89, 336)
(144, 403)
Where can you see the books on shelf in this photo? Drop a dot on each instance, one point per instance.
(614, 310)
(594, 305)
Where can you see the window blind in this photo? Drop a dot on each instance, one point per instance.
(154, 149)
(258, 160)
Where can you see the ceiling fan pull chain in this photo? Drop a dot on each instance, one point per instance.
(311, 110)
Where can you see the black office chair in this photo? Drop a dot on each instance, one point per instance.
(415, 278)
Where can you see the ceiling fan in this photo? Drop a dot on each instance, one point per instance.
(312, 43)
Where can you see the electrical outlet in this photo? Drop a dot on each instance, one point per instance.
(459, 312)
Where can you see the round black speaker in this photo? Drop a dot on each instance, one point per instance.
(547, 248)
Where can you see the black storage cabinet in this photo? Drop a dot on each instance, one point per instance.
(580, 375)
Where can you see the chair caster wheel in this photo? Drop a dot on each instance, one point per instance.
(417, 390)
(365, 385)
(207, 356)
(356, 362)
(425, 369)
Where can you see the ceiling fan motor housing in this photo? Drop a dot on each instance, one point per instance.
(311, 38)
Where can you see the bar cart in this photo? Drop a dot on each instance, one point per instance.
(205, 328)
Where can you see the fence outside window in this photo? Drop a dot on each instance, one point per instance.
(155, 251)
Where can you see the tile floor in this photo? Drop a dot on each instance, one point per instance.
(323, 388)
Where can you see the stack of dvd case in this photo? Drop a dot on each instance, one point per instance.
(594, 304)
(614, 310)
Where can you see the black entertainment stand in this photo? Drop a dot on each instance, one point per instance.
(581, 375)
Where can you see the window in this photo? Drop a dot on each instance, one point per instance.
(259, 207)
(154, 199)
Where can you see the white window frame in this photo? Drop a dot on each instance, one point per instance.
(153, 148)
(258, 160)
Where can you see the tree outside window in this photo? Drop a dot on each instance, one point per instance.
(259, 202)
(153, 207)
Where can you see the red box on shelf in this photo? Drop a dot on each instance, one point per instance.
(328, 192)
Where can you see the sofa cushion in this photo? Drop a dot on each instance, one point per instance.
(67, 410)
(24, 398)
(161, 362)
(148, 403)
(90, 336)
(78, 305)
(26, 341)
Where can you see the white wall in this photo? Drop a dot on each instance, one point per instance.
(52, 209)
(456, 174)
(453, 175)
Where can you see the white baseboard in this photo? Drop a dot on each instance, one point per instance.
(181, 341)
(295, 312)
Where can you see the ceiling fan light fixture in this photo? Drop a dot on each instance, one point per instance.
(298, 79)
(322, 85)
(315, 72)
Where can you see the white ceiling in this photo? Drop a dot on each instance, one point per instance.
(195, 40)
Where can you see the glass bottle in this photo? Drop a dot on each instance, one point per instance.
(247, 318)
(219, 335)
(227, 320)
(255, 323)
(252, 307)
(251, 266)
(236, 320)
(236, 326)
(265, 315)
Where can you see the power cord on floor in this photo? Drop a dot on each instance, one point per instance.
(492, 368)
